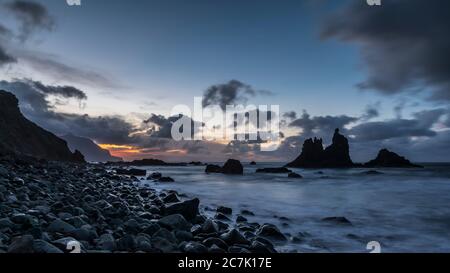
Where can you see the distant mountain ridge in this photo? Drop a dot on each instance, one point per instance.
(91, 151)
(19, 136)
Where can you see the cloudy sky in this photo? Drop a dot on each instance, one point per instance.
(112, 70)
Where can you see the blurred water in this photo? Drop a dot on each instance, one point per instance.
(406, 210)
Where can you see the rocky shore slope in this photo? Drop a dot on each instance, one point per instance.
(44, 206)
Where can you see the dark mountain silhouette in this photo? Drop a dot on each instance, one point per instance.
(91, 151)
(337, 155)
(19, 136)
(388, 159)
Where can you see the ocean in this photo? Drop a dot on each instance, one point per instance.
(404, 210)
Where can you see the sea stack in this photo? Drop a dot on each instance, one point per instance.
(388, 159)
(337, 155)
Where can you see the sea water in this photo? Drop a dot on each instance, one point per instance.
(405, 210)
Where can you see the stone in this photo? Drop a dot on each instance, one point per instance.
(135, 172)
(23, 244)
(213, 169)
(154, 176)
(43, 247)
(194, 247)
(164, 233)
(247, 212)
(60, 226)
(107, 242)
(271, 232)
(234, 237)
(6, 223)
(241, 219)
(233, 166)
(221, 216)
(166, 179)
(225, 210)
(209, 226)
(189, 208)
(163, 245)
(126, 243)
(209, 242)
(175, 222)
(294, 175)
(183, 236)
(171, 198)
(337, 220)
(273, 170)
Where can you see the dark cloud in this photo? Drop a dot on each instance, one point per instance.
(321, 125)
(32, 16)
(420, 126)
(63, 91)
(371, 111)
(6, 58)
(290, 115)
(161, 127)
(231, 93)
(405, 44)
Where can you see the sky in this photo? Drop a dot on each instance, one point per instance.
(112, 71)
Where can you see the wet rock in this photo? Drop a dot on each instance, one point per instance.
(234, 237)
(241, 219)
(189, 209)
(6, 223)
(238, 250)
(209, 242)
(163, 245)
(151, 229)
(233, 166)
(253, 163)
(221, 216)
(164, 233)
(23, 244)
(60, 226)
(135, 172)
(154, 176)
(143, 243)
(183, 236)
(166, 179)
(337, 220)
(224, 210)
(209, 227)
(41, 246)
(175, 222)
(171, 198)
(213, 169)
(295, 176)
(107, 242)
(258, 247)
(84, 233)
(273, 170)
(247, 212)
(194, 247)
(63, 243)
(271, 232)
(216, 250)
(126, 243)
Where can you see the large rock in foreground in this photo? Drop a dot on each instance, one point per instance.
(388, 159)
(337, 155)
(19, 136)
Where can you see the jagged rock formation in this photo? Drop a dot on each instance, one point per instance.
(19, 136)
(388, 159)
(91, 151)
(337, 155)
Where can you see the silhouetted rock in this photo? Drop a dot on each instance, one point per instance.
(337, 155)
(337, 220)
(213, 169)
(19, 136)
(253, 163)
(233, 166)
(388, 159)
(166, 179)
(273, 170)
(153, 162)
(135, 172)
(91, 151)
(295, 175)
